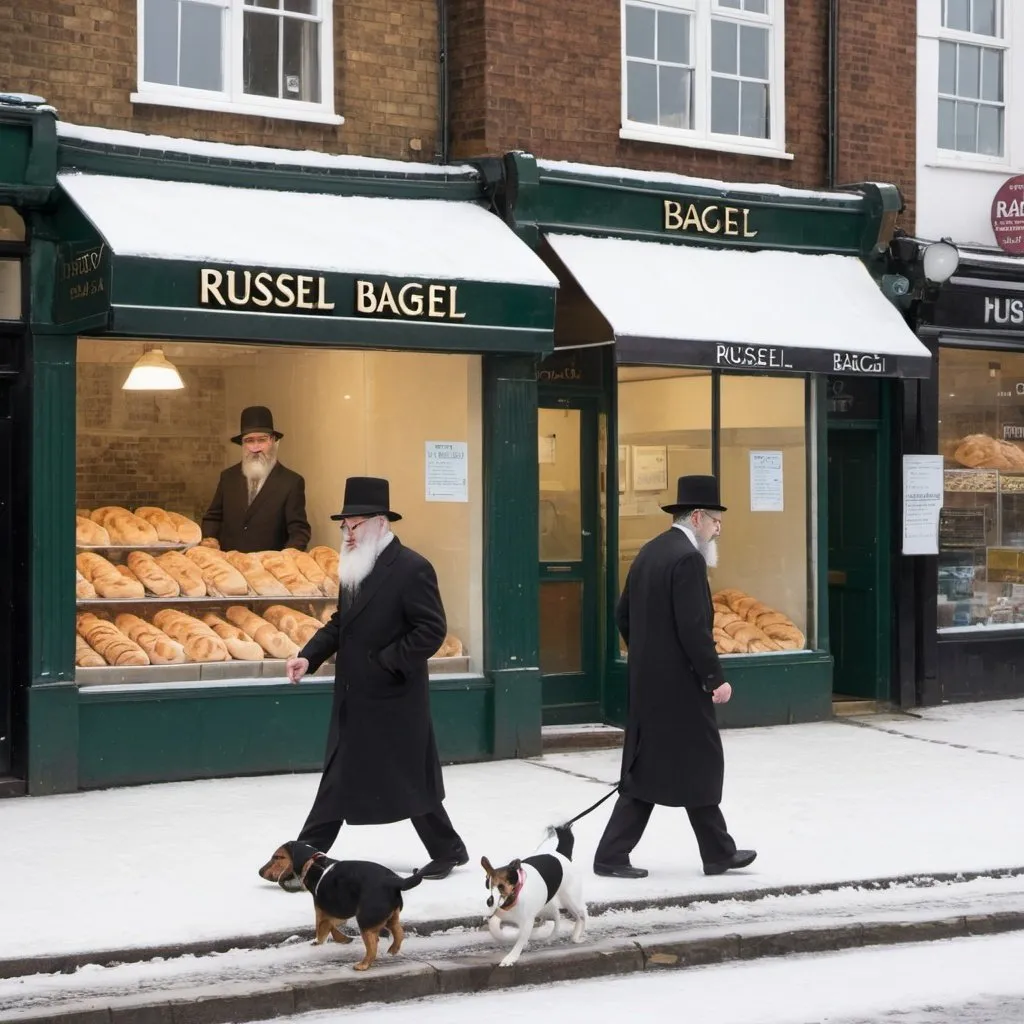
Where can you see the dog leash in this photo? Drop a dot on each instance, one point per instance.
(615, 789)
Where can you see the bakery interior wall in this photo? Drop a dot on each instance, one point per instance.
(764, 554)
(343, 413)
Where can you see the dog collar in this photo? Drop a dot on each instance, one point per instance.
(511, 901)
(314, 863)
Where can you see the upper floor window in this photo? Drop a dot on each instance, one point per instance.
(707, 73)
(972, 77)
(268, 57)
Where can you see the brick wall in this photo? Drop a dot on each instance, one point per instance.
(81, 56)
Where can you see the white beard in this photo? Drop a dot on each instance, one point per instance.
(256, 468)
(355, 564)
(709, 549)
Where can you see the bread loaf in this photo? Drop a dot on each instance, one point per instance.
(90, 534)
(84, 590)
(152, 575)
(327, 611)
(296, 625)
(109, 642)
(282, 566)
(272, 640)
(166, 531)
(210, 542)
(262, 582)
(786, 635)
(725, 644)
(159, 647)
(184, 572)
(107, 581)
(85, 656)
(451, 648)
(311, 569)
(200, 642)
(239, 644)
(123, 526)
(221, 577)
(188, 530)
(327, 559)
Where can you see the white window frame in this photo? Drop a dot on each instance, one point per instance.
(233, 99)
(702, 12)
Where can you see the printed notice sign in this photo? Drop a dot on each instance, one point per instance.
(447, 472)
(766, 482)
(922, 503)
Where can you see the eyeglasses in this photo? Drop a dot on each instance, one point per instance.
(257, 439)
(714, 519)
(350, 527)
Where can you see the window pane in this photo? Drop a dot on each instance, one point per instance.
(968, 79)
(757, 6)
(639, 31)
(958, 14)
(259, 54)
(301, 60)
(992, 75)
(723, 47)
(984, 20)
(675, 97)
(301, 6)
(160, 42)
(561, 627)
(967, 127)
(947, 68)
(754, 52)
(10, 289)
(201, 47)
(990, 131)
(12, 227)
(641, 92)
(673, 37)
(947, 124)
(754, 110)
(725, 106)
(735, 4)
(558, 436)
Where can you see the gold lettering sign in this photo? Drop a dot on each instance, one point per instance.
(728, 221)
(262, 289)
(412, 299)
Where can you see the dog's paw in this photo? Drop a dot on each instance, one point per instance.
(508, 961)
(577, 938)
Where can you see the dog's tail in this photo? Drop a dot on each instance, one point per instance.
(405, 884)
(566, 840)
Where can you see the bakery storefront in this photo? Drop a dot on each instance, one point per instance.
(972, 595)
(383, 316)
(706, 327)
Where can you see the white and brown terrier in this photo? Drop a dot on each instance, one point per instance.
(535, 888)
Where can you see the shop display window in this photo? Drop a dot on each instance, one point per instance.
(343, 413)
(753, 430)
(981, 527)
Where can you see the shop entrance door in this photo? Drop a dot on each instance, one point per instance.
(856, 541)
(569, 515)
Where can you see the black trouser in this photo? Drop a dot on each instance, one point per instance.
(434, 828)
(629, 818)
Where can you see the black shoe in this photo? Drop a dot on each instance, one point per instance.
(442, 867)
(740, 859)
(619, 871)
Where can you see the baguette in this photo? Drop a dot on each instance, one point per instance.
(159, 647)
(239, 644)
(84, 590)
(282, 566)
(450, 648)
(295, 624)
(725, 644)
(262, 582)
(85, 656)
(184, 572)
(123, 526)
(273, 641)
(166, 531)
(107, 581)
(221, 577)
(311, 569)
(90, 534)
(188, 530)
(327, 559)
(109, 642)
(200, 642)
(152, 575)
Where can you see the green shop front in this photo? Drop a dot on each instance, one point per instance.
(740, 330)
(390, 322)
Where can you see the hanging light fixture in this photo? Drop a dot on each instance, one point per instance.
(153, 372)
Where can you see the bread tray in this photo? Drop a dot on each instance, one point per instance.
(233, 599)
(134, 547)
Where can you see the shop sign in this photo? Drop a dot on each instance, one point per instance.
(82, 288)
(262, 289)
(980, 309)
(707, 219)
(1008, 216)
(767, 357)
(578, 366)
(411, 299)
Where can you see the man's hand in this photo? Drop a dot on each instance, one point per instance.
(296, 668)
(719, 696)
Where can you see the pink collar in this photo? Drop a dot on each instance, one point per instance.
(510, 902)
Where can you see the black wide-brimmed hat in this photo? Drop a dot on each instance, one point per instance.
(256, 419)
(367, 496)
(696, 492)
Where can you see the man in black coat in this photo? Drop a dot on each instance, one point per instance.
(259, 505)
(381, 763)
(672, 754)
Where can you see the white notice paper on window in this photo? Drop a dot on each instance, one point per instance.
(922, 503)
(447, 471)
(766, 482)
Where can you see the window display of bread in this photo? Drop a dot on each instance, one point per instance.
(263, 583)
(451, 648)
(296, 625)
(109, 642)
(184, 572)
(200, 642)
(159, 647)
(188, 530)
(979, 451)
(313, 571)
(157, 580)
(222, 579)
(285, 569)
(84, 590)
(85, 656)
(744, 625)
(105, 578)
(240, 645)
(124, 527)
(970, 479)
(166, 531)
(90, 534)
(327, 559)
(271, 639)
(210, 542)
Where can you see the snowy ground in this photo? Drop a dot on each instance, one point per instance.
(822, 803)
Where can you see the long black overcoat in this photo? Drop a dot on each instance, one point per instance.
(276, 518)
(381, 763)
(672, 753)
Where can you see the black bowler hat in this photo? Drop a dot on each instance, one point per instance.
(256, 419)
(367, 496)
(696, 492)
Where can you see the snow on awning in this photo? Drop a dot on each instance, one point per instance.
(766, 311)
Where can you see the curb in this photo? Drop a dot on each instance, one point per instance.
(68, 963)
(417, 979)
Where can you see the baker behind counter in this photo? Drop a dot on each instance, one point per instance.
(259, 504)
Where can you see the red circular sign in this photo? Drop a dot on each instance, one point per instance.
(1008, 216)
